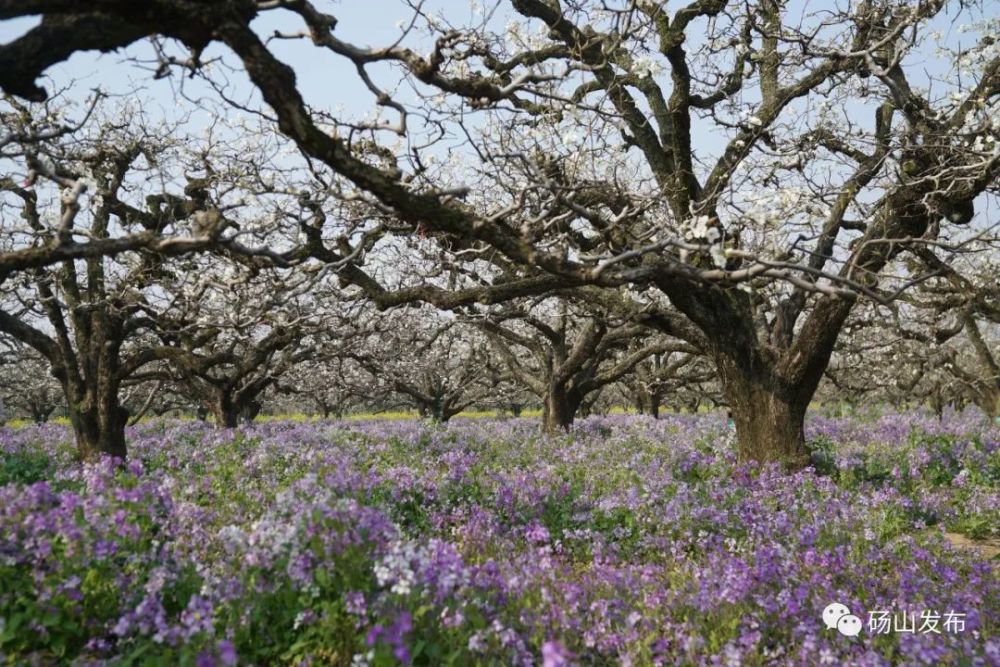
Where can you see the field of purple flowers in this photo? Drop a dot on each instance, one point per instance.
(630, 541)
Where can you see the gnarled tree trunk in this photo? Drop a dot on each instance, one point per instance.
(225, 411)
(437, 411)
(97, 417)
(99, 431)
(769, 426)
(230, 408)
(768, 411)
(40, 413)
(559, 410)
(647, 402)
(988, 400)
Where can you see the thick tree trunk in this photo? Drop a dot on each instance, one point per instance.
(249, 410)
(97, 416)
(99, 429)
(40, 415)
(937, 404)
(229, 409)
(324, 408)
(987, 391)
(559, 410)
(225, 411)
(98, 434)
(439, 413)
(769, 424)
(988, 400)
(647, 403)
(767, 410)
(438, 408)
(432, 412)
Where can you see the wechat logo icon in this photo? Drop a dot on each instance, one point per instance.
(838, 616)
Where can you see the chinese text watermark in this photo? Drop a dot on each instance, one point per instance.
(883, 622)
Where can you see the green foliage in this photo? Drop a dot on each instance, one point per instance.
(821, 456)
(24, 467)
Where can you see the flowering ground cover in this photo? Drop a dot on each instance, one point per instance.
(629, 541)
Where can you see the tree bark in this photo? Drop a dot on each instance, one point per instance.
(324, 408)
(767, 389)
(647, 403)
(229, 409)
(444, 415)
(437, 412)
(94, 407)
(937, 404)
(249, 411)
(988, 400)
(769, 420)
(225, 411)
(441, 411)
(768, 406)
(97, 417)
(100, 431)
(559, 410)
(40, 414)
(986, 391)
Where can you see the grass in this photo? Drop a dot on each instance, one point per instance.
(389, 415)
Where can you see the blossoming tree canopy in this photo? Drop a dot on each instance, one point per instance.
(760, 166)
(106, 312)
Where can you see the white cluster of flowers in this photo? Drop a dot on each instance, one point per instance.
(646, 66)
(233, 538)
(395, 569)
(300, 619)
(699, 228)
(985, 144)
(479, 642)
(983, 52)
(362, 659)
(157, 580)
(268, 538)
(517, 38)
(570, 137)
(768, 206)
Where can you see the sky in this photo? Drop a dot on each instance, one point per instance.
(326, 81)
(330, 83)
